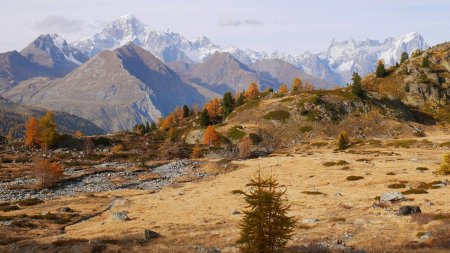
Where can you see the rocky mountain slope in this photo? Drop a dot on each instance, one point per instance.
(422, 82)
(15, 68)
(13, 116)
(285, 72)
(53, 52)
(115, 90)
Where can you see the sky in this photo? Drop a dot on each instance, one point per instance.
(292, 26)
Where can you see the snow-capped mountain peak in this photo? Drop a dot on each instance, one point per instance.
(336, 63)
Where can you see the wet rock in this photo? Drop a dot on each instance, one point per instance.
(408, 210)
(391, 196)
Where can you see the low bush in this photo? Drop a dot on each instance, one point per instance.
(342, 162)
(305, 129)
(396, 186)
(402, 143)
(343, 140)
(102, 141)
(354, 178)
(444, 168)
(390, 174)
(278, 115)
(256, 139)
(329, 164)
(29, 202)
(22, 159)
(314, 193)
(235, 134)
(422, 168)
(319, 144)
(117, 148)
(47, 174)
(414, 191)
(6, 207)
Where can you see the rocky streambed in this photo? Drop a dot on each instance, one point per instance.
(102, 181)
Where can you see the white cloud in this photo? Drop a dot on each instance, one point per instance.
(253, 22)
(57, 23)
(223, 22)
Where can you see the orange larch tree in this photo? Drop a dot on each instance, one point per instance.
(283, 89)
(214, 108)
(252, 90)
(47, 131)
(211, 136)
(297, 84)
(32, 132)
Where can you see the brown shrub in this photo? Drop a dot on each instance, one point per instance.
(245, 147)
(117, 148)
(46, 173)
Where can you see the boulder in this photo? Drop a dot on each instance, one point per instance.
(425, 237)
(408, 210)
(310, 220)
(391, 196)
(149, 234)
(121, 216)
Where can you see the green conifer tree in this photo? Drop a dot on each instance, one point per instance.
(404, 57)
(381, 71)
(204, 118)
(356, 86)
(227, 104)
(266, 227)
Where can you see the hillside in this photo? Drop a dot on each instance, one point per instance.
(114, 89)
(14, 116)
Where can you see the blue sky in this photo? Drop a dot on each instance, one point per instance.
(290, 26)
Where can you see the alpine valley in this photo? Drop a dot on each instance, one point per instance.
(129, 73)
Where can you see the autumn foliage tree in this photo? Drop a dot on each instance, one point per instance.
(252, 90)
(211, 136)
(266, 227)
(32, 132)
(283, 89)
(214, 109)
(46, 173)
(297, 85)
(197, 151)
(47, 131)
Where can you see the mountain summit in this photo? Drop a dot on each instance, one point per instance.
(335, 64)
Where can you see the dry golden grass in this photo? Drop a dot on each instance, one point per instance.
(200, 213)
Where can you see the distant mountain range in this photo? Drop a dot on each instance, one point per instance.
(129, 73)
(335, 64)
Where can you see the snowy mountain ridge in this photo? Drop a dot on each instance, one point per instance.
(336, 63)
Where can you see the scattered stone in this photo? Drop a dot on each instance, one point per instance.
(429, 203)
(310, 220)
(425, 237)
(337, 194)
(391, 196)
(236, 212)
(213, 250)
(149, 234)
(65, 210)
(445, 182)
(439, 185)
(408, 210)
(121, 216)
